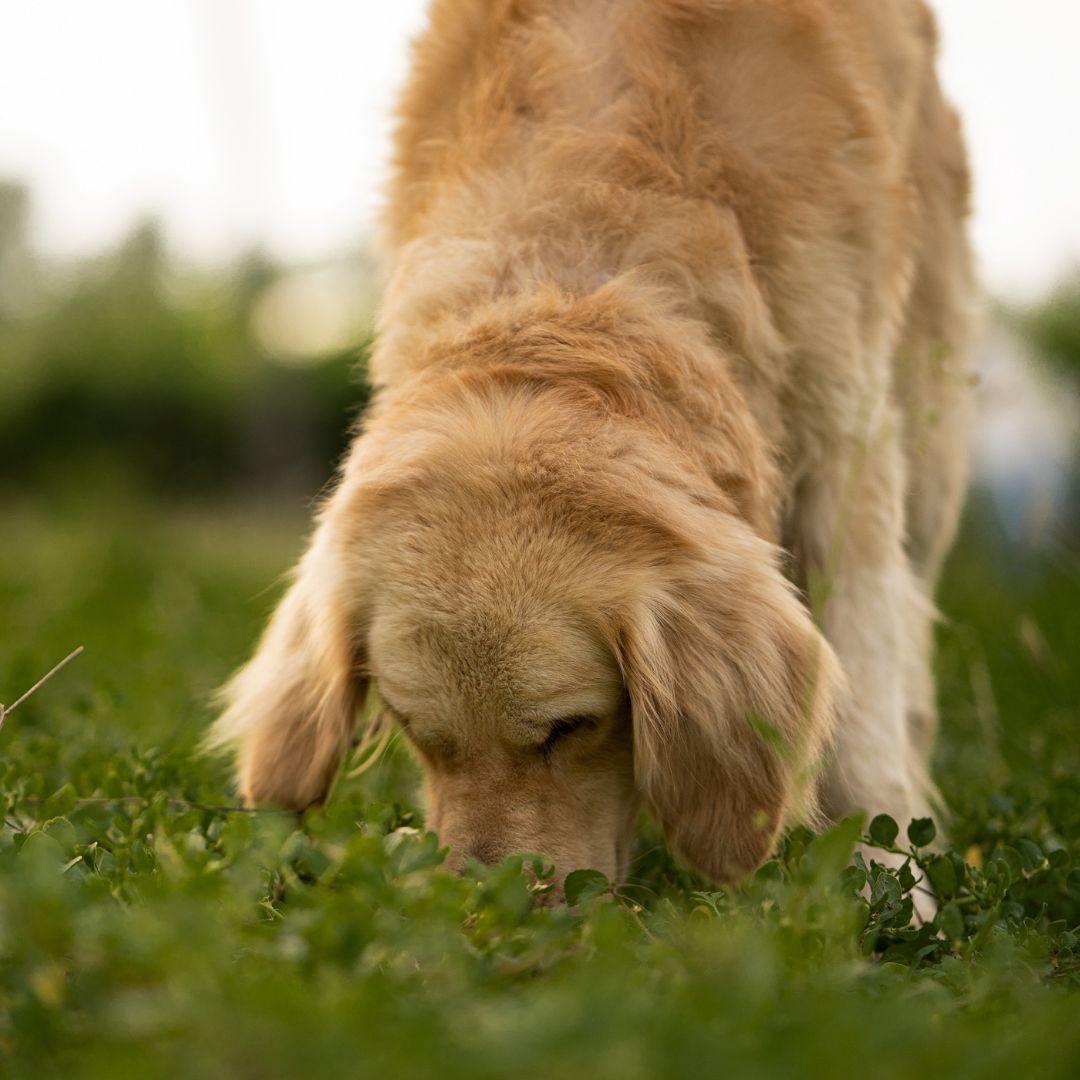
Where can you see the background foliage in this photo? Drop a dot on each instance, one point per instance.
(147, 929)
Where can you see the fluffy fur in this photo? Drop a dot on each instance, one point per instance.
(668, 441)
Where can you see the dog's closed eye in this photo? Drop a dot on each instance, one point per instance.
(563, 729)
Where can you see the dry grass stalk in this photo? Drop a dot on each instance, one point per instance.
(7, 710)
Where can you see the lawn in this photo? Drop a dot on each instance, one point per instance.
(147, 928)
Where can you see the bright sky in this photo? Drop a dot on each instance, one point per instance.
(266, 120)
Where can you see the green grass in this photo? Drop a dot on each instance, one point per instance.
(140, 936)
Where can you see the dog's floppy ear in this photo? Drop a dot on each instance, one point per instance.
(732, 693)
(290, 711)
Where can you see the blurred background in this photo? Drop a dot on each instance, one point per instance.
(188, 191)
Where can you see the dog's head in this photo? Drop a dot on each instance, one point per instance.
(560, 632)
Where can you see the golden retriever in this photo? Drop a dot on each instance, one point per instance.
(668, 443)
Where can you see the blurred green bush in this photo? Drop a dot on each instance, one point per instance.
(136, 371)
(1053, 327)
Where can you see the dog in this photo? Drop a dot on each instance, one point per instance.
(668, 439)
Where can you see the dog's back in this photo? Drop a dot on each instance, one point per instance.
(790, 166)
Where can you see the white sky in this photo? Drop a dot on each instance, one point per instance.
(266, 120)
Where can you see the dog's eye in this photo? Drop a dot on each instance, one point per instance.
(563, 728)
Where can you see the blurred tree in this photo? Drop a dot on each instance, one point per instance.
(130, 366)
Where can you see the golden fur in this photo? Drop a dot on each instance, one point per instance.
(668, 442)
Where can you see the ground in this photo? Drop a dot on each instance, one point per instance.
(149, 929)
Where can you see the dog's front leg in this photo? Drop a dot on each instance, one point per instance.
(849, 531)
